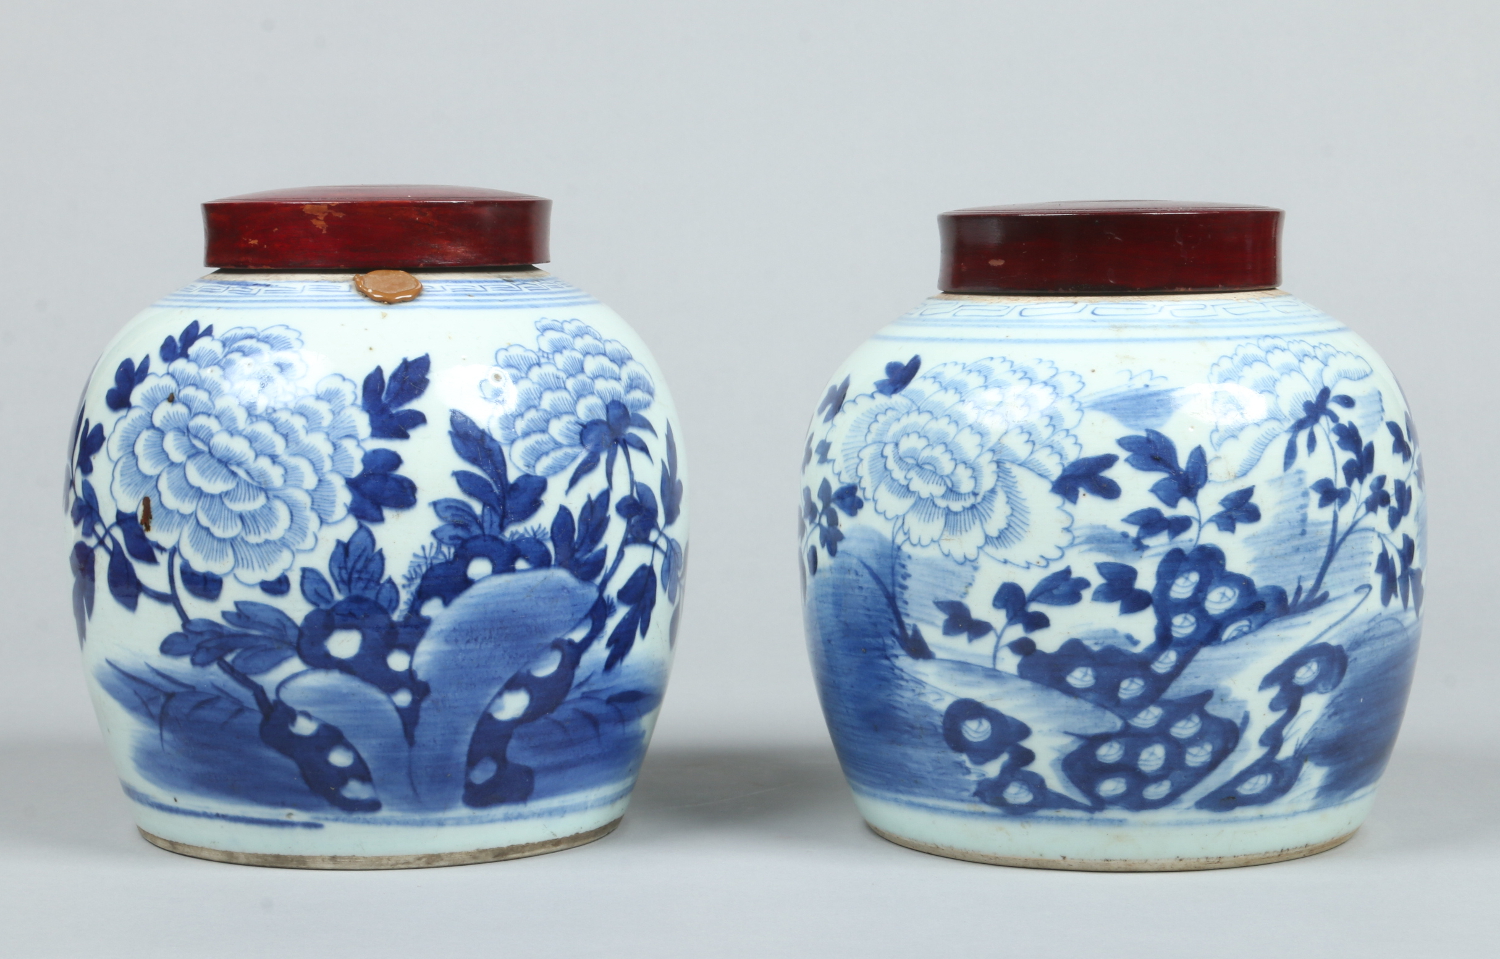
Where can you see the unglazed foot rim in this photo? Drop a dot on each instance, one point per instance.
(1119, 865)
(415, 861)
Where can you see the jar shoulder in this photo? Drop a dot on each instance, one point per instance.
(529, 362)
(327, 313)
(1242, 390)
(1131, 346)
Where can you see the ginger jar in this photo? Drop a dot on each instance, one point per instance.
(1113, 552)
(378, 537)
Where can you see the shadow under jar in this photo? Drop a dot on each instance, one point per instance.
(377, 537)
(1112, 551)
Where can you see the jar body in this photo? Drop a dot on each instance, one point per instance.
(1113, 583)
(363, 584)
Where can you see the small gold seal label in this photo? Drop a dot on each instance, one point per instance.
(388, 286)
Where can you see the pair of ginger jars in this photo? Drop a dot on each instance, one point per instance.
(1112, 552)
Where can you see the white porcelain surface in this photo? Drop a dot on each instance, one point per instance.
(1111, 579)
(366, 579)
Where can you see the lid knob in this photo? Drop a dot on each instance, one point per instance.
(1110, 247)
(376, 227)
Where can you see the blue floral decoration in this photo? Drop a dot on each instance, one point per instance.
(950, 455)
(226, 463)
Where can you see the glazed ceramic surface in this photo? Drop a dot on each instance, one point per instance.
(1113, 582)
(367, 580)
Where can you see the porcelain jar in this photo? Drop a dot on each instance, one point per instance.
(378, 538)
(1113, 552)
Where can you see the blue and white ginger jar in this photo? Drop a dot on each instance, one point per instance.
(365, 584)
(1113, 582)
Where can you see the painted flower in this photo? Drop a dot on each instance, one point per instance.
(262, 368)
(545, 397)
(1264, 388)
(963, 458)
(241, 465)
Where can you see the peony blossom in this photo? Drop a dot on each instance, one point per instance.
(544, 398)
(963, 458)
(1266, 385)
(242, 465)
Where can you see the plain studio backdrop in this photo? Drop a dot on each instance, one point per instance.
(754, 187)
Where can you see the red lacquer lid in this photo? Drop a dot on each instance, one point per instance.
(1110, 246)
(376, 227)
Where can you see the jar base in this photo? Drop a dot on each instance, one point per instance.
(1183, 864)
(411, 861)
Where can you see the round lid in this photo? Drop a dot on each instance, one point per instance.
(1110, 246)
(375, 227)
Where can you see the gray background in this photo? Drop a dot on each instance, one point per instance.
(754, 187)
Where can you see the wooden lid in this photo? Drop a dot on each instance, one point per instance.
(376, 227)
(1110, 246)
